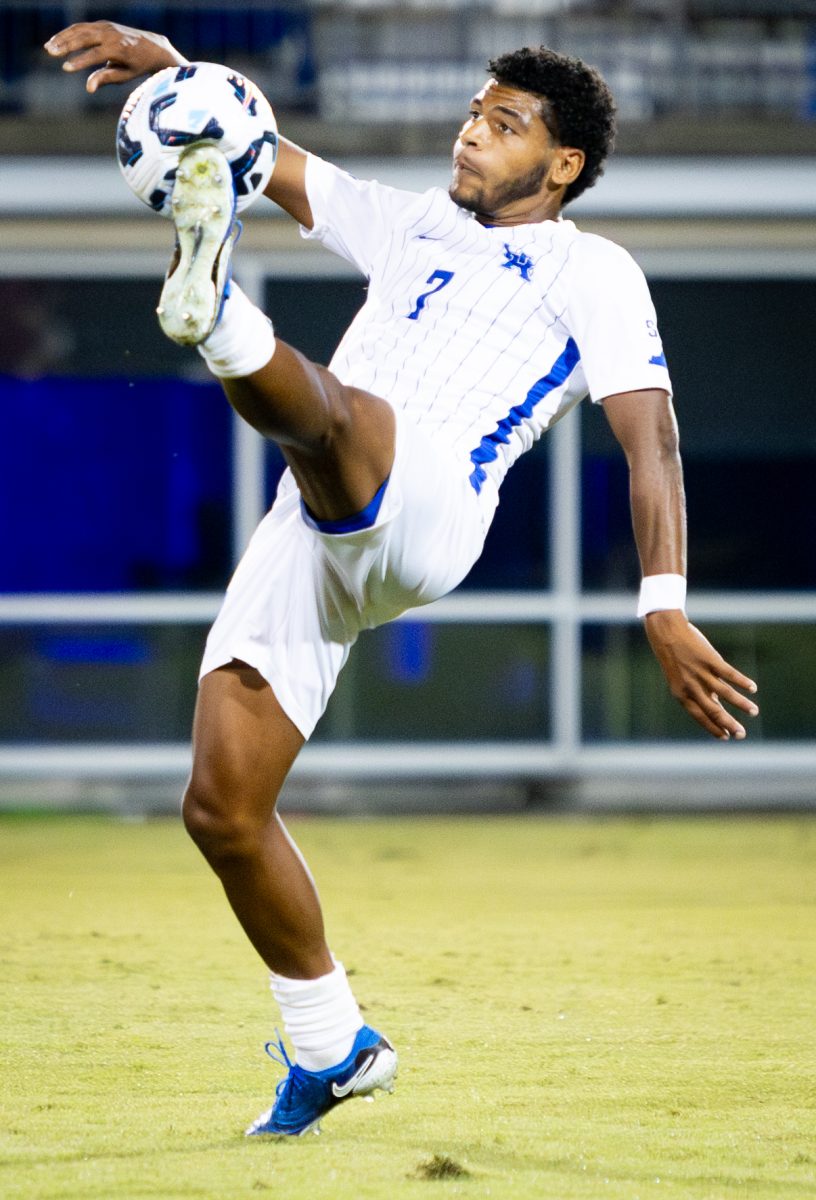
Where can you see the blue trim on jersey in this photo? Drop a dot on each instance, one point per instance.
(488, 448)
(353, 524)
(658, 360)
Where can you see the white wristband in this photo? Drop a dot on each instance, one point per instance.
(660, 592)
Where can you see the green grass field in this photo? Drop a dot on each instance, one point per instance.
(583, 1008)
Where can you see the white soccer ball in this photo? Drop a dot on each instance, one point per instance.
(201, 102)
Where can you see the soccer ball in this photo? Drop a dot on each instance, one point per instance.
(200, 102)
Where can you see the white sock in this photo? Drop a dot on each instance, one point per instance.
(320, 1016)
(243, 341)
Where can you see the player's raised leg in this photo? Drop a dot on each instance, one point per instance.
(339, 441)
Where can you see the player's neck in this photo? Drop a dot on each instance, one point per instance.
(534, 212)
(491, 222)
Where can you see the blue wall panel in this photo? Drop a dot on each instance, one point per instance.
(109, 483)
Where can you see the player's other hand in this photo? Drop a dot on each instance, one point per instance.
(117, 52)
(698, 677)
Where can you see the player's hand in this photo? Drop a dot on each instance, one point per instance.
(118, 52)
(698, 677)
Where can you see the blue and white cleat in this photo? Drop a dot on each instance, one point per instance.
(303, 1097)
(203, 209)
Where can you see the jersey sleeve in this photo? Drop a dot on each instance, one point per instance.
(354, 218)
(612, 319)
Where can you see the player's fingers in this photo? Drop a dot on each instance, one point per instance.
(723, 680)
(732, 675)
(89, 58)
(702, 717)
(719, 667)
(108, 74)
(723, 718)
(706, 707)
(731, 696)
(81, 36)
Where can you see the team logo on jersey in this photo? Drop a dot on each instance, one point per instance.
(522, 262)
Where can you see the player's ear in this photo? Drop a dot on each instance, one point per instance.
(567, 165)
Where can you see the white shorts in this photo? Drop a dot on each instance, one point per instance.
(299, 597)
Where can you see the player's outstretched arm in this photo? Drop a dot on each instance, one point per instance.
(118, 52)
(697, 675)
(287, 183)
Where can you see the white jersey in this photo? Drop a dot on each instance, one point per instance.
(482, 335)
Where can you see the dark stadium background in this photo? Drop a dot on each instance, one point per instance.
(115, 455)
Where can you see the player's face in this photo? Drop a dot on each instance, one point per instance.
(507, 167)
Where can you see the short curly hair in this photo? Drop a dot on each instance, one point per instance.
(578, 108)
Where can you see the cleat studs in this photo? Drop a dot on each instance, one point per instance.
(160, 310)
(187, 318)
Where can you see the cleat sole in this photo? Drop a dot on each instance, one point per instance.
(203, 209)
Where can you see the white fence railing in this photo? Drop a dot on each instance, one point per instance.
(564, 609)
(563, 755)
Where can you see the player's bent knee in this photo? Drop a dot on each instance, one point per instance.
(222, 821)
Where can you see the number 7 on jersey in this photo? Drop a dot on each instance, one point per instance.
(444, 277)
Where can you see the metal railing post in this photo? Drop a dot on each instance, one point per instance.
(248, 452)
(565, 526)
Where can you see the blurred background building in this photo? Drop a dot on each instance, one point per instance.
(392, 75)
(127, 490)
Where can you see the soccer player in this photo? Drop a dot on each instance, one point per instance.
(488, 317)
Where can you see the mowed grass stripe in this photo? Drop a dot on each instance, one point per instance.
(583, 1008)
